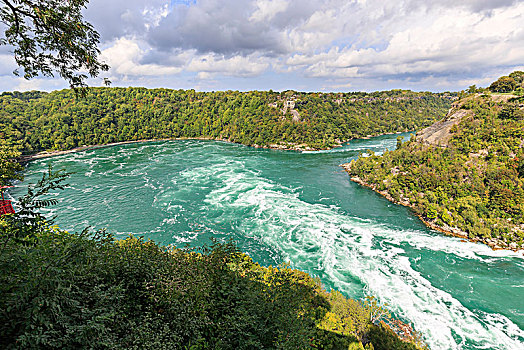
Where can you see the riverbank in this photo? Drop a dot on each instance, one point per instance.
(282, 147)
(493, 243)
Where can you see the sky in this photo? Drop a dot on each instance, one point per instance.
(304, 45)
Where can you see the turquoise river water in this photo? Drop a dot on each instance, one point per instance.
(299, 207)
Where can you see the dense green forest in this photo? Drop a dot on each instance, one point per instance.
(472, 180)
(60, 290)
(60, 120)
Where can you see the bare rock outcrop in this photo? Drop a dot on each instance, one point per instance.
(439, 133)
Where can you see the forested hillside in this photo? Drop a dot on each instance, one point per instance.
(38, 121)
(465, 174)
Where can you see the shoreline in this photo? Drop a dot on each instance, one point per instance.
(281, 147)
(494, 244)
(47, 154)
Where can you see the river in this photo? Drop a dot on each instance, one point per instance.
(299, 207)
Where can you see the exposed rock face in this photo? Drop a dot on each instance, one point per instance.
(439, 133)
(295, 114)
(290, 104)
(502, 98)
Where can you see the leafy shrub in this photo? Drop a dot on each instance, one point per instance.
(503, 84)
(71, 291)
(511, 111)
(381, 338)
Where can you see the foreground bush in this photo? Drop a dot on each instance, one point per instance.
(62, 290)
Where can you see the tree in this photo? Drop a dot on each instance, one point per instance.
(50, 36)
(399, 141)
(503, 84)
(518, 76)
(9, 168)
(511, 111)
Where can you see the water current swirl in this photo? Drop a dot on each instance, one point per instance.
(300, 207)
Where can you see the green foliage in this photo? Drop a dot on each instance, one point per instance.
(377, 313)
(474, 183)
(51, 36)
(399, 141)
(432, 211)
(70, 291)
(9, 167)
(60, 121)
(520, 166)
(472, 89)
(381, 338)
(503, 84)
(512, 111)
(27, 222)
(518, 76)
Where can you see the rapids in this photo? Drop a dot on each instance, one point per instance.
(299, 207)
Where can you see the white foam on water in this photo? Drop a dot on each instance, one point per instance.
(350, 252)
(504, 324)
(358, 146)
(343, 249)
(185, 237)
(438, 242)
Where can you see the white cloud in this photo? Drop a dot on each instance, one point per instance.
(153, 15)
(13, 83)
(124, 57)
(238, 66)
(338, 86)
(28, 85)
(267, 9)
(454, 40)
(8, 64)
(411, 43)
